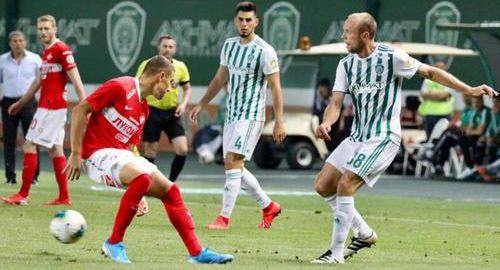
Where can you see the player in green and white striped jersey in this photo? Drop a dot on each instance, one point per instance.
(372, 74)
(247, 64)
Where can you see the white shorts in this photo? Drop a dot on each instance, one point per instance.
(104, 165)
(368, 159)
(47, 127)
(241, 137)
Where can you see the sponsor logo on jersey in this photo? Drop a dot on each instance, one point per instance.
(239, 70)
(362, 87)
(50, 68)
(119, 122)
(125, 25)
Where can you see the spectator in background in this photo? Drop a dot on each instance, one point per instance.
(322, 98)
(437, 101)
(18, 69)
(493, 133)
(452, 137)
(476, 132)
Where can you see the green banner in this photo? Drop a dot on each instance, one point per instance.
(110, 38)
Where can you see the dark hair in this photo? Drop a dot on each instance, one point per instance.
(157, 64)
(167, 36)
(324, 82)
(246, 6)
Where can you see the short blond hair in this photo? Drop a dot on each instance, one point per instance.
(47, 18)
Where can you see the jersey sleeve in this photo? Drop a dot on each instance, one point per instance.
(340, 84)
(223, 52)
(405, 65)
(107, 94)
(270, 62)
(184, 78)
(141, 68)
(67, 58)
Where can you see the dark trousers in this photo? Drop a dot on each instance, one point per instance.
(430, 121)
(10, 125)
(471, 150)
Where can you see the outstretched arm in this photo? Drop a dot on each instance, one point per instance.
(442, 77)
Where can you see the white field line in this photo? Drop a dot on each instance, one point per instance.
(267, 176)
(258, 176)
(212, 191)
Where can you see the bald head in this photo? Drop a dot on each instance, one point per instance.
(364, 23)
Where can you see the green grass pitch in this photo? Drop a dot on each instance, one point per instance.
(413, 233)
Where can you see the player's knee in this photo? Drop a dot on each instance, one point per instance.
(182, 151)
(29, 147)
(228, 163)
(56, 151)
(150, 149)
(348, 184)
(232, 162)
(320, 187)
(129, 172)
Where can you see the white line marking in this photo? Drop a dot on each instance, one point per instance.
(215, 191)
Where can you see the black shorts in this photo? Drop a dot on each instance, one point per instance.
(159, 120)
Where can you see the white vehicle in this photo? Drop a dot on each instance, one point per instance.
(301, 148)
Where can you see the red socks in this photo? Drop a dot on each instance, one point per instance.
(128, 206)
(181, 219)
(62, 179)
(174, 205)
(29, 170)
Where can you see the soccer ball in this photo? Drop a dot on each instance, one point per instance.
(68, 226)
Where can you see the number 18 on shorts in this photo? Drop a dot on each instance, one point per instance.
(368, 159)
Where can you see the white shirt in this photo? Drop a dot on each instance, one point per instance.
(248, 65)
(374, 84)
(16, 77)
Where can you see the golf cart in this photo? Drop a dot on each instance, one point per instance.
(299, 77)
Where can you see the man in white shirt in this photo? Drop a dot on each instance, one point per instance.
(18, 69)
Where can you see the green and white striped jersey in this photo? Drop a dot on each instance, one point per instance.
(248, 66)
(374, 84)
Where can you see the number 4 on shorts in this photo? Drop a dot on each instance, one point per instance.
(238, 142)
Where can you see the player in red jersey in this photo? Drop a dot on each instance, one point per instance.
(47, 126)
(118, 110)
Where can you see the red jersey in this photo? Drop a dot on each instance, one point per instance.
(117, 118)
(56, 60)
